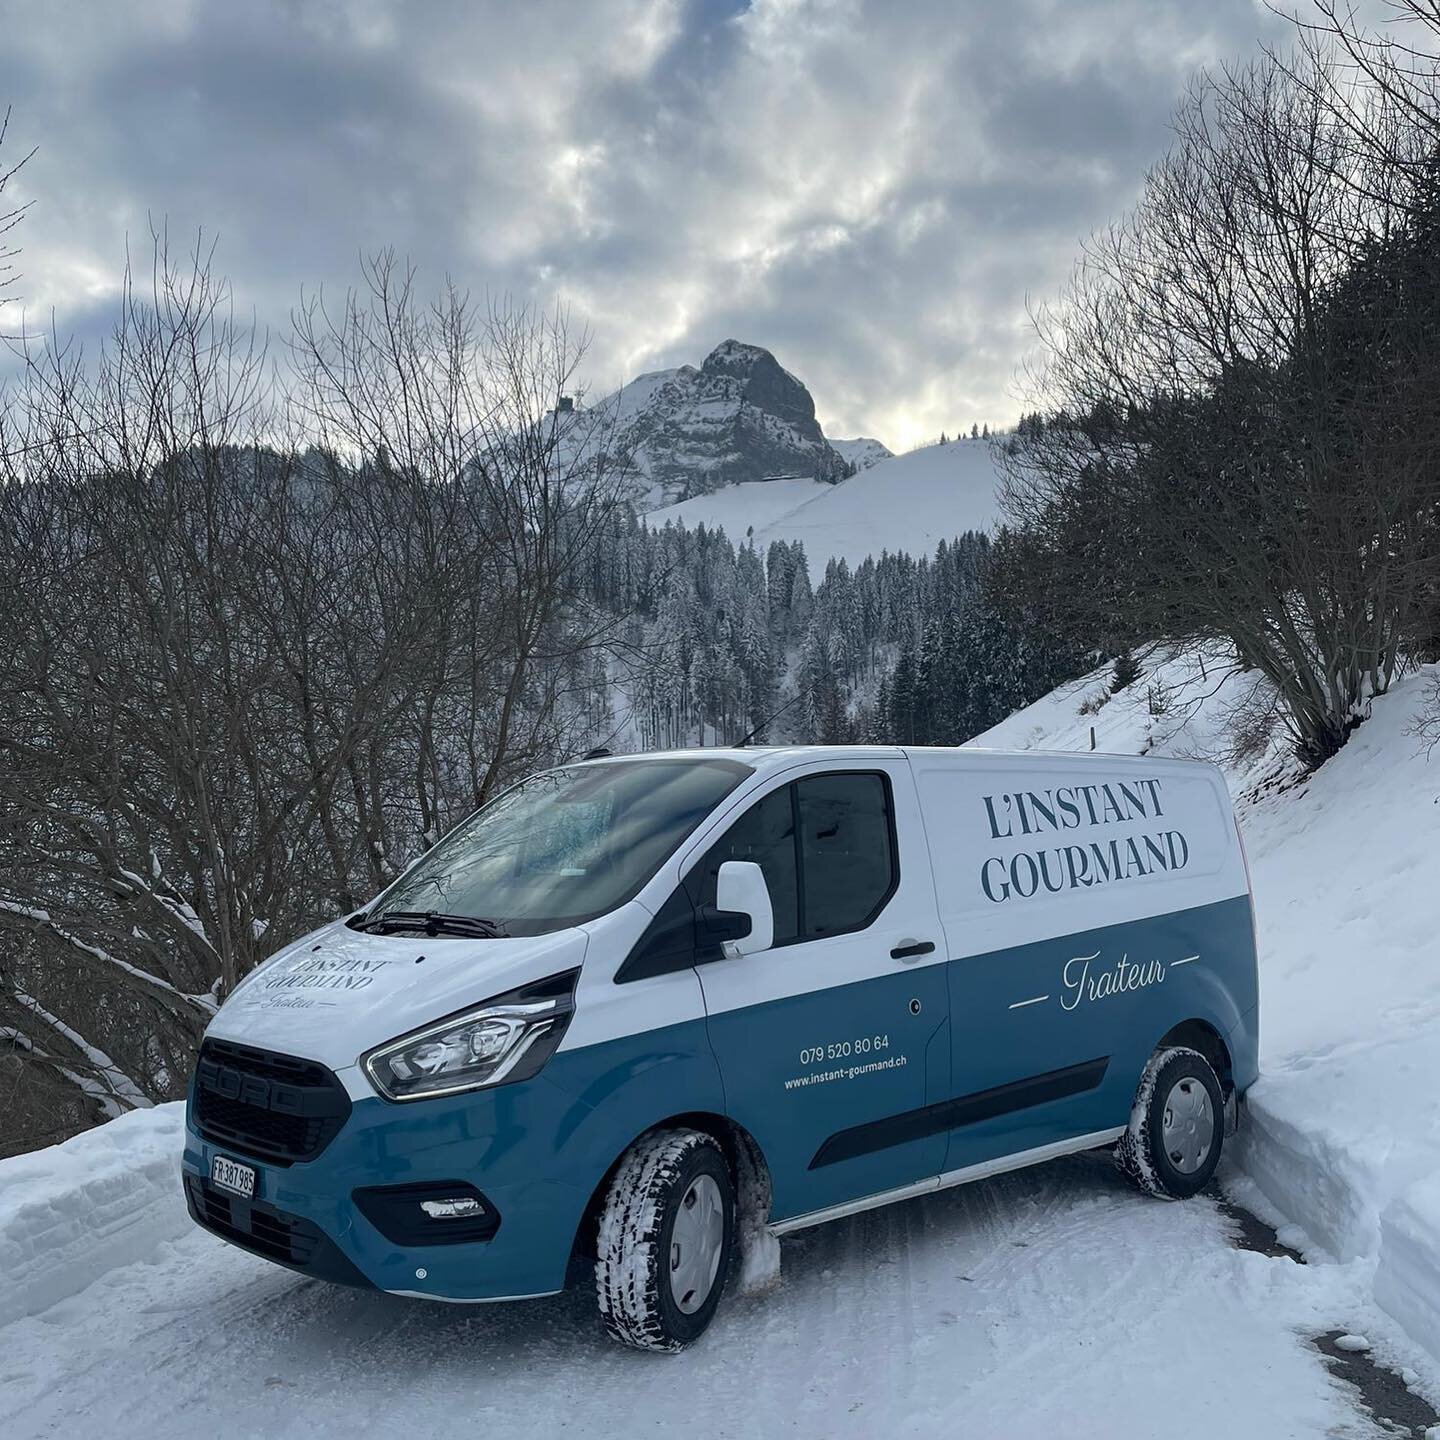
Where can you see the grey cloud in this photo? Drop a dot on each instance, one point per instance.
(869, 189)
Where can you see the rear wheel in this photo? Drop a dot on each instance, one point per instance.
(1177, 1126)
(666, 1236)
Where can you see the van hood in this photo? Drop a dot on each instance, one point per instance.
(336, 993)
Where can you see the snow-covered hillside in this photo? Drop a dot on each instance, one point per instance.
(908, 502)
(1343, 1133)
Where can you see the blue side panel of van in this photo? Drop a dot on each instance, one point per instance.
(1075, 1019)
(799, 1070)
(513, 1143)
(1040, 1047)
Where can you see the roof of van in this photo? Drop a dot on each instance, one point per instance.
(763, 758)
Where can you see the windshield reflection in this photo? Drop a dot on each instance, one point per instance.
(566, 845)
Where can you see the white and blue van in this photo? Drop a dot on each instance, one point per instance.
(639, 1013)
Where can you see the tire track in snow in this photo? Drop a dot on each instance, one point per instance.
(1047, 1300)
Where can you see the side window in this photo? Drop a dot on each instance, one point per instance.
(765, 833)
(668, 943)
(847, 852)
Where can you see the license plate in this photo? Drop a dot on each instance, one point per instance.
(232, 1176)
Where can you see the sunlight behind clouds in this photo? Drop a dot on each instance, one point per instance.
(870, 190)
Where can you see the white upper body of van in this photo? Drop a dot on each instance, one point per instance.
(574, 863)
(1031, 845)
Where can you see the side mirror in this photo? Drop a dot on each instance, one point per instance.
(741, 892)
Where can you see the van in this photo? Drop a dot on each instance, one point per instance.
(639, 1015)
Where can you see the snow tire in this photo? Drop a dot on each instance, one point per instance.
(637, 1222)
(1140, 1154)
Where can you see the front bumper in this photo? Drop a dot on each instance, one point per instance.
(263, 1230)
(305, 1216)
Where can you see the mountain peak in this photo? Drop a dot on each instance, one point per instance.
(740, 417)
(736, 357)
(766, 384)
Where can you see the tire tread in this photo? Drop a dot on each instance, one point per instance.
(628, 1260)
(1135, 1150)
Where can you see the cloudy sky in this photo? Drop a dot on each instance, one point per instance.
(871, 190)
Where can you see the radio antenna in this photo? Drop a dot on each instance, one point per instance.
(766, 723)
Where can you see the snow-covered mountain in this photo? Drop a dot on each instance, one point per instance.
(862, 453)
(901, 502)
(739, 419)
(736, 444)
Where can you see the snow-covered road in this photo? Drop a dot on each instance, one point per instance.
(1049, 1302)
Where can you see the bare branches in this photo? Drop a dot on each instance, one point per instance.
(268, 627)
(1245, 433)
(9, 218)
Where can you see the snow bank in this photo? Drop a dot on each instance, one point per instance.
(1407, 1276)
(1343, 1128)
(70, 1213)
(1345, 1132)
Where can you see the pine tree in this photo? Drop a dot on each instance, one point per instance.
(1126, 672)
(903, 698)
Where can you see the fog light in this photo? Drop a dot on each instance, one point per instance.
(461, 1207)
(430, 1212)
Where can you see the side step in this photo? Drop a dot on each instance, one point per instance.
(999, 1166)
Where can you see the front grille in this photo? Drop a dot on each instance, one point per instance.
(286, 1239)
(277, 1108)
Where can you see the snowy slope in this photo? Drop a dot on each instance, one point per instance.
(908, 502)
(631, 399)
(1344, 1126)
(748, 511)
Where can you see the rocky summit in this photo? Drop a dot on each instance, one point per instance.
(740, 416)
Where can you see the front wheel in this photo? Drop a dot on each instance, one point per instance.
(666, 1235)
(1177, 1126)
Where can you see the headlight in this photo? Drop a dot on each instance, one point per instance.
(505, 1039)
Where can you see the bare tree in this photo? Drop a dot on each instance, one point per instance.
(1382, 89)
(1243, 443)
(9, 218)
(266, 630)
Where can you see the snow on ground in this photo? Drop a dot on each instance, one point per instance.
(909, 502)
(1053, 1301)
(749, 509)
(1343, 1132)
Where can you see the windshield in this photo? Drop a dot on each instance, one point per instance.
(565, 846)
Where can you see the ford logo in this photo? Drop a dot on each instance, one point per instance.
(263, 1094)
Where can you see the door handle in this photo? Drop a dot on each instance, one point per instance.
(912, 949)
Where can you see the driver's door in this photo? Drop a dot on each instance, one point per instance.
(832, 1043)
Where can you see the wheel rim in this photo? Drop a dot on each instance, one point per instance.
(1189, 1125)
(696, 1240)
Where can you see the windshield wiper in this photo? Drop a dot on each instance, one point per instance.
(430, 922)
